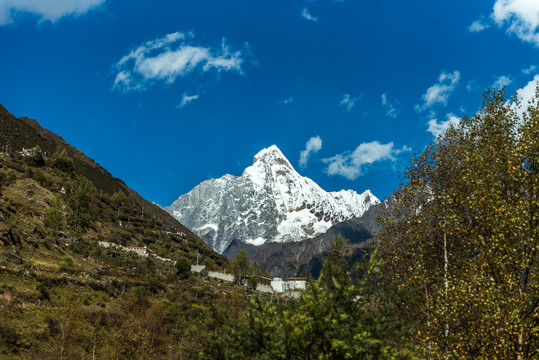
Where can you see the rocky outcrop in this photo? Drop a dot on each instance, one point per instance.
(12, 258)
(14, 238)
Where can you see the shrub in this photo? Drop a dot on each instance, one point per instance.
(10, 177)
(183, 267)
(62, 161)
(78, 201)
(54, 216)
(66, 264)
(119, 197)
(210, 264)
(43, 291)
(8, 333)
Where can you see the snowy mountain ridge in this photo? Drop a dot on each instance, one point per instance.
(270, 201)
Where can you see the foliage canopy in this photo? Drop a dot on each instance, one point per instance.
(341, 316)
(465, 236)
(244, 271)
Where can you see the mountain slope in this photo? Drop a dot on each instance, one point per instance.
(18, 133)
(285, 259)
(269, 202)
(69, 286)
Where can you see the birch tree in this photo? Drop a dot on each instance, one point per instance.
(464, 238)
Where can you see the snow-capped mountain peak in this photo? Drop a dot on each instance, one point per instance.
(271, 154)
(270, 201)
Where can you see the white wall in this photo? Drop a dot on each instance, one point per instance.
(277, 285)
(221, 276)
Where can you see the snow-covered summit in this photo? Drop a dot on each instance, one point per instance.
(270, 201)
(271, 154)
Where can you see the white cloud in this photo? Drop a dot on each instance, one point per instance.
(437, 128)
(186, 99)
(472, 85)
(351, 165)
(307, 15)
(312, 146)
(521, 18)
(526, 95)
(170, 57)
(46, 10)
(478, 25)
(530, 70)
(348, 101)
(440, 92)
(501, 82)
(384, 99)
(287, 101)
(391, 111)
(528, 91)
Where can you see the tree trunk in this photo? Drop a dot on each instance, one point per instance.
(520, 345)
(446, 286)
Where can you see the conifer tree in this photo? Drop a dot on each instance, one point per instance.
(346, 314)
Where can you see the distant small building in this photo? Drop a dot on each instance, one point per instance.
(289, 284)
(265, 280)
(106, 244)
(296, 283)
(28, 152)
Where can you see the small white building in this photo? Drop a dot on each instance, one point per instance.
(277, 284)
(295, 283)
(105, 244)
(289, 284)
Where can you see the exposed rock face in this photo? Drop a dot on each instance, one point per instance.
(269, 202)
(13, 258)
(284, 259)
(14, 239)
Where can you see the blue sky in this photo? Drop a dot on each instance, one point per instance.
(166, 94)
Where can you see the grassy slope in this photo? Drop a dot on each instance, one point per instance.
(71, 299)
(18, 133)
